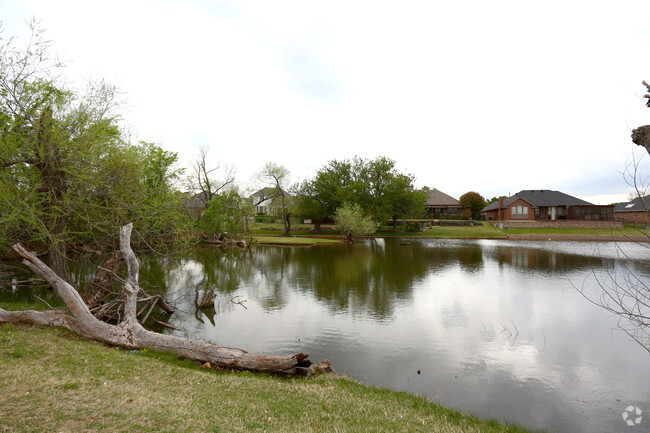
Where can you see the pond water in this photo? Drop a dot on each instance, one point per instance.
(492, 327)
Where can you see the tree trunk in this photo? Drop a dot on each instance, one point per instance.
(641, 136)
(53, 187)
(287, 225)
(129, 333)
(101, 286)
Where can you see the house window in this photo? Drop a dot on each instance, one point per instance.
(519, 212)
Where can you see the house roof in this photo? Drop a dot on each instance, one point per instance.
(269, 192)
(639, 204)
(264, 192)
(438, 198)
(540, 198)
(197, 201)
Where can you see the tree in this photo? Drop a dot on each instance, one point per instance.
(67, 175)
(277, 178)
(47, 135)
(389, 193)
(226, 213)
(309, 206)
(352, 222)
(202, 179)
(335, 183)
(493, 199)
(375, 185)
(406, 202)
(474, 202)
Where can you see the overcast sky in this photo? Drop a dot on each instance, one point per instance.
(489, 96)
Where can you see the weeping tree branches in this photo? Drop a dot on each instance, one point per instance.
(128, 332)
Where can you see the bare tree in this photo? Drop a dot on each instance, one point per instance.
(207, 181)
(636, 177)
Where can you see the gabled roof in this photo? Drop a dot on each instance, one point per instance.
(269, 192)
(540, 198)
(264, 192)
(197, 201)
(639, 204)
(439, 198)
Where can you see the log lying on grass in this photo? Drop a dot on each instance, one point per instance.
(129, 333)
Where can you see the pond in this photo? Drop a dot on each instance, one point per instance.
(496, 328)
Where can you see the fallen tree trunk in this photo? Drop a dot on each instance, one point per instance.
(129, 333)
(102, 285)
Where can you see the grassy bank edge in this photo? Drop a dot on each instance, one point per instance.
(269, 234)
(52, 379)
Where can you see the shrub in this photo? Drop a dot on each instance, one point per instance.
(413, 227)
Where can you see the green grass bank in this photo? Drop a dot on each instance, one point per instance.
(268, 233)
(53, 380)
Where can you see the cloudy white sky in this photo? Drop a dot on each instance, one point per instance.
(494, 96)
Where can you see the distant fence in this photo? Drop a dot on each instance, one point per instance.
(560, 223)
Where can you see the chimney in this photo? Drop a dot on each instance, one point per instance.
(499, 211)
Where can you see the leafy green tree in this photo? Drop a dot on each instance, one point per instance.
(406, 202)
(474, 202)
(493, 199)
(67, 175)
(309, 206)
(226, 213)
(352, 222)
(375, 185)
(277, 178)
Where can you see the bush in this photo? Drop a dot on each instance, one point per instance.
(413, 227)
(351, 221)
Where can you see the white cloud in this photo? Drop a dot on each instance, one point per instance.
(487, 96)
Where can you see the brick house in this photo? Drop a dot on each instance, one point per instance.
(545, 205)
(635, 211)
(441, 205)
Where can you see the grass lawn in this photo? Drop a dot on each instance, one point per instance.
(627, 230)
(482, 230)
(53, 380)
(294, 241)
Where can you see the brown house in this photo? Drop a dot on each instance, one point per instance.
(441, 205)
(545, 205)
(635, 211)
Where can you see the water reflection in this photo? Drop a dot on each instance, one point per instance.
(495, 327)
